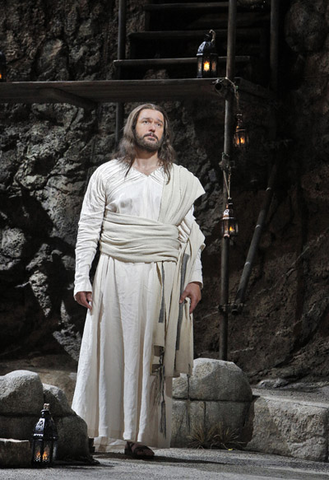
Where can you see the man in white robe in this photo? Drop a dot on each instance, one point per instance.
(138, 334)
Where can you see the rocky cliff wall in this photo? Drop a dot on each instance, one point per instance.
(49, 151)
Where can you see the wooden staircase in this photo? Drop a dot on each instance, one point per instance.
(174, 30)
(162, 58)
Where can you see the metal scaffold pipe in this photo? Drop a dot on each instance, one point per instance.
(228, 136)
(274, 45)
(274, 64)
(240, 296)
(122, 13)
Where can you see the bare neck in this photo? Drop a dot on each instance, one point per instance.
(146, 162)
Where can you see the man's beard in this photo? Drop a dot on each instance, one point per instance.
(143, 143)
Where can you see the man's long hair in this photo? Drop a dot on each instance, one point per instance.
(126, 149)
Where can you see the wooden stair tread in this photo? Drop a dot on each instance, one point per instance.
(186, 6)
(191, 34)
(196, 16)
(197, 6)
(132, 62)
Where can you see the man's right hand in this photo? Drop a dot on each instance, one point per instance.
(84, 298)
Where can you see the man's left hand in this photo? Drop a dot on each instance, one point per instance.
(193, 292)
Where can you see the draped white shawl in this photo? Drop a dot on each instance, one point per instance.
(136, 239)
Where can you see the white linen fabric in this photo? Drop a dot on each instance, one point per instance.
(115, 391)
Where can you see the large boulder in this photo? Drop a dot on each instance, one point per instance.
(213, 380)
(21, 400)
(72, 429)
(211, 407)
(22, 396)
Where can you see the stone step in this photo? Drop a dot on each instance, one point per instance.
(15, 453)
(215, 402)
(293, 426)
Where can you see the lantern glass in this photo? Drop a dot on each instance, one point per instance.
(206, 66)
(44, 445)
(214, 65)
(229, 225)
(200, 66)
(241, 137)
(207, 58)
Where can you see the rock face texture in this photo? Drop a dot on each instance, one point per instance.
(49, 151)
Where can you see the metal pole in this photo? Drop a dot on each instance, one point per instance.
(274, 67)
(240, 296)
(121, 55)
(274, 45)
(228, 136)
(122, 29)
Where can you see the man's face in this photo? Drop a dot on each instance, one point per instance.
(149, 130)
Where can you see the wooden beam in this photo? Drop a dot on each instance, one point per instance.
(55, 95)
(106, 91)
(87, 94)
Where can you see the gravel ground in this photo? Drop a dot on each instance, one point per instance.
(181, 464)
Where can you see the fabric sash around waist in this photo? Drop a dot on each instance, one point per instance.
(137, 239)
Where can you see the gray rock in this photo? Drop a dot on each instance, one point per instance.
(180, 426)
(213, 380)
(15, 453)
(63, 380)
(273, 383)
(72, 429)
(19, 427)
(59, 406)
(194, 421)
(52, 61)
(181, 387)
(39, 283)
(290, 428)
(21, 393)
(213, 403)
(21, 399)
(231, 416)
(306, 27)
(12, 242)
(72, 438)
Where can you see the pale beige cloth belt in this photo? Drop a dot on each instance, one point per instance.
(137, 239)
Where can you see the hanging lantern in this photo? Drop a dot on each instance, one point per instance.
(3, 67)
(207, 58)
(229, 226)
(241, 137)
(44, 444)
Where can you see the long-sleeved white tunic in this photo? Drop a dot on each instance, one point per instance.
(123, 404)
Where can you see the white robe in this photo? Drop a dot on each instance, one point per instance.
(121, 402)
